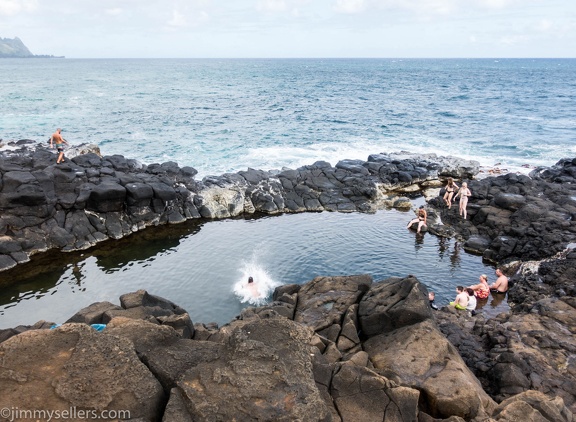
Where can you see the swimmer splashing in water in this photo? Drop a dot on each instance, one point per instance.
(252, 287)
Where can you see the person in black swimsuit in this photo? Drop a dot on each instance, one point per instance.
(451, 188)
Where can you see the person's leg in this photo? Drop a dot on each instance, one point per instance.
(420, 224)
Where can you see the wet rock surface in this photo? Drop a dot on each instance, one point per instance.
(91, 198)
(336, 357)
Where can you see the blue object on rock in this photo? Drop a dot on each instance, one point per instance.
(98, 327)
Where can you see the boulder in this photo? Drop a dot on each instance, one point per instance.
(360, 394)
(533, 406)
(323, 301)
(263, 373)
(418, 355)
(162, 349)
(74, 366)
(393, 303)
(94, 313)
(107, 197)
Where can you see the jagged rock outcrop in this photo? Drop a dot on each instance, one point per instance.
(353, 343)
(517, 216)
(90, 198)
(319, 365)
(532, 348)
(75, 366)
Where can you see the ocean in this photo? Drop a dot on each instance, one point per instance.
(222, 116)
(227, 115)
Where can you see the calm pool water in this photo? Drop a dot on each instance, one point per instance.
(197, 265)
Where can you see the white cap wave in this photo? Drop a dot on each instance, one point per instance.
(259, 292)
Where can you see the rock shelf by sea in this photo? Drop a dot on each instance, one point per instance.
(336, 348)
(90, 198)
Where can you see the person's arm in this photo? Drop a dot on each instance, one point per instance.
(425, 217)
(496, 284)
(51, 141)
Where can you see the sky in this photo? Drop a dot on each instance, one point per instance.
(292, 28)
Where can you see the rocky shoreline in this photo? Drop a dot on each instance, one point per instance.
(90, 198)
(336, 348)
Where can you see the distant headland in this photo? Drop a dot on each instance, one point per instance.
(15, 48)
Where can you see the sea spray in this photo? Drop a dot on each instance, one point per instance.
(264, 284)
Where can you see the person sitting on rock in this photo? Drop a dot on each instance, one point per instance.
(501, 283)
(451, 187)
(461, 300)
(482, 289)
(421, 217)
(471, 306)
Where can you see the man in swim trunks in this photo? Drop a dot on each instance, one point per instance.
(57, 139)
(461, 300)
(501, 283)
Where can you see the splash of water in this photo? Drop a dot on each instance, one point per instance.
(262, 288)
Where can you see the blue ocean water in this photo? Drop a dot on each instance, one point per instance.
(227, 115)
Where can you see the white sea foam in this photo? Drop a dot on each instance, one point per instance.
(263, 287)
(276, 157)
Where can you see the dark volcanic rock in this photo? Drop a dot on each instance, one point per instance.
(119, 196)
(393, 304)
(264, 366)
(522, 217)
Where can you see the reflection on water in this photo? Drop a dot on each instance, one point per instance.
(197, 265)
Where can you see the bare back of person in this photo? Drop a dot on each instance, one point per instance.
(501, 283)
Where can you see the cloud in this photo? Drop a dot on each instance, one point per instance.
(272, 5)
(497, 4)
(178, 19)
(511, 40)
(350, 6)
(113, 12)
(13, 7)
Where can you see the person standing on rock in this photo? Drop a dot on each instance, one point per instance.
(59, 141)
(501, 283)
(421, 217)
(451, 187)
(461, 300)
(463, 193)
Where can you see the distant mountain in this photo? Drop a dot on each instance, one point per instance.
(15, 48)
